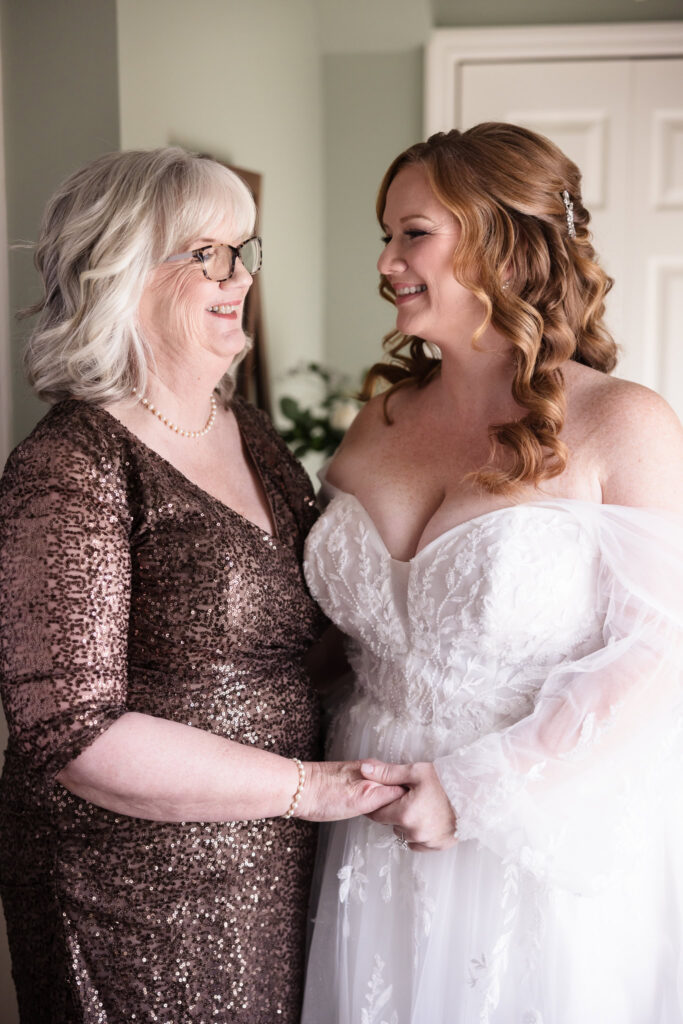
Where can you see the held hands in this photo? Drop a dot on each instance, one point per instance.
(409, 797)
(422, 814)
(334, 790)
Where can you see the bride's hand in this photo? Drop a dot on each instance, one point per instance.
(423, 815)
(337, 789)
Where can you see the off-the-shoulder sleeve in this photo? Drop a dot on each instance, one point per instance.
(64, 599)
(571, 790)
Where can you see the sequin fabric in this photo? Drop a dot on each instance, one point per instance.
(124, 587)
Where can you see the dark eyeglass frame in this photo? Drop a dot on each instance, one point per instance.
(199, 255)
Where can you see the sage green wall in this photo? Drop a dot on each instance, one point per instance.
(378, 26)
(60, 101)
(373, 110)
(461, 13)
(372, 70)
(242, 81)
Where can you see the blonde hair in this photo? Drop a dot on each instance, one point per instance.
(107, 226)
(540, 288)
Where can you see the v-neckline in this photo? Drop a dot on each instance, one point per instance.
(188, 482)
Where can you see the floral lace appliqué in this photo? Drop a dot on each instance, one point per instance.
(353, 884)
(377, 997)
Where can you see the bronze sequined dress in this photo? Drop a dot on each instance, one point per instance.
(125, 587)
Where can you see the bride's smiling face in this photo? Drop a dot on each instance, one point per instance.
(420, 238)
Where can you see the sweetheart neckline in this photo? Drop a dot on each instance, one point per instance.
(548, 503)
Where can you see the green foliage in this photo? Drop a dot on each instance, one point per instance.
(319, 427)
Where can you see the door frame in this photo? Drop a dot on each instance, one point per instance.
(5, 334)
(450, 48)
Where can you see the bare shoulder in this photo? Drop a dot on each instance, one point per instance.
(363, 434)
(369, 420)
(636, 437)
(375, 441)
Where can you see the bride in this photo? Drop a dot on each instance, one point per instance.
(503, 547)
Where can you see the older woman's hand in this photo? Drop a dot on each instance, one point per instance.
(423, 815)
(337, 789)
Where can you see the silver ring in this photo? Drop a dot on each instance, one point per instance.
(401, 840)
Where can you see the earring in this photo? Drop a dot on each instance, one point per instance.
(505, 285)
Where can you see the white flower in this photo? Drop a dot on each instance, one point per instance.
(343, 413)
(307, 386)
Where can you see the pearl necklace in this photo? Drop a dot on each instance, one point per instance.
(174, 426)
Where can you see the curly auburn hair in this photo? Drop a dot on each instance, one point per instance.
(504, 185)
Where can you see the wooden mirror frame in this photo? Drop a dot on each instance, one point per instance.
(252, 373)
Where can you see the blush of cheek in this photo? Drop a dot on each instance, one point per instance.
(193, 323)
(190, 312)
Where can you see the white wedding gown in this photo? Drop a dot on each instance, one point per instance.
(535, 654)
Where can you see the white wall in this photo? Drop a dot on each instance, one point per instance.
(241, 81)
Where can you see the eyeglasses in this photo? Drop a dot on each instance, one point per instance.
(218, 261)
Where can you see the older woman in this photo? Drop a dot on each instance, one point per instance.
(153, 863)
(503, 544)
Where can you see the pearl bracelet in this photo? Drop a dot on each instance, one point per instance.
(299, 789)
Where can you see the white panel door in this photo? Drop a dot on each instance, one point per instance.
(583, 106)
(622, 123)
(655, 225)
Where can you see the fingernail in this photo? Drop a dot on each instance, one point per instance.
(367, 769)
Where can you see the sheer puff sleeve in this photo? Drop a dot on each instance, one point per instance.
(573, 790)
(64, 595)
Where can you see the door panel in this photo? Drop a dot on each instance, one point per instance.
(622, 123)
(654, 222)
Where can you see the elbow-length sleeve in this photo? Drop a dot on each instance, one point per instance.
(64, 598)
(571, 790)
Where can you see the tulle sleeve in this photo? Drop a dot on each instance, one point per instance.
(64, 599)
(570, 791)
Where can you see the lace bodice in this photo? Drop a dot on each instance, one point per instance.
(514, 651)
(466, 629)
(535, 655)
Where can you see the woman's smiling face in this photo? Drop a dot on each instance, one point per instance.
(417, 260)
(182, 313)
